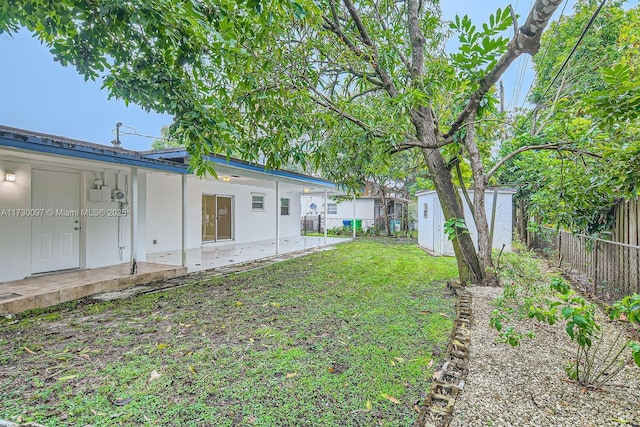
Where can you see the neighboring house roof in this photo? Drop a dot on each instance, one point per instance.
(181, 155)
(395, 199)
(57, 145)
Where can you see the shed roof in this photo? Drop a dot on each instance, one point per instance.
(501, 190)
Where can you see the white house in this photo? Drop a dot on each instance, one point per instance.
(431, 220)
(313, 206)
(367, 210)
(68, 204)
(245, 203)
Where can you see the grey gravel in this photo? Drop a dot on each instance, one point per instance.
(527, 385)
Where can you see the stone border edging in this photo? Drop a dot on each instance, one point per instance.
(437, 408)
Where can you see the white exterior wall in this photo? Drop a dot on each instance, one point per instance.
(164, 195)
(15, 232)
(164, 212)
(104, 239)
(431, 229)
(107, 239)
(364, 210)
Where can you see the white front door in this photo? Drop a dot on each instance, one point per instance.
(55, 235)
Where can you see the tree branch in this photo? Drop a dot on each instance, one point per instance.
(366, 77)
(357, 95)
(403, 58)
(526, 41)
(334, 26)
(556, 146)
(384, 76)
(406, 146)
(417, 40)
(323, 101)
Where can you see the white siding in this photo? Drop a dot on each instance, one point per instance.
(107, 237)
(164, 211)
(431, 229)
(15, 232)
(364, 210)
(104, 239)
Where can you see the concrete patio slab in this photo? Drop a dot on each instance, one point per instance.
(222, 254)
(51, 289)
(47, 290)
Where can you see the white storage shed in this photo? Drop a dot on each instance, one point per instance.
(431, 220)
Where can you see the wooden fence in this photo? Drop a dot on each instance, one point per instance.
(606, 269)
(626, 227)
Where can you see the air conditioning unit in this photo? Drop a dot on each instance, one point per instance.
(119, 196)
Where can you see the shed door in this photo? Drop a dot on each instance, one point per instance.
(55, 235)
(438, 224)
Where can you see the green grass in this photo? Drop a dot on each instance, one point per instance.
(322, 340)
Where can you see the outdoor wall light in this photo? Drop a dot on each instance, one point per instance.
(10, 177)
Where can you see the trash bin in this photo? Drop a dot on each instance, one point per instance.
(346, 223)
(358, 224)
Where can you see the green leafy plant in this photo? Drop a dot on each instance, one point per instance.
(628, 308)
(521, 277)
(592, 367)
(455, 227)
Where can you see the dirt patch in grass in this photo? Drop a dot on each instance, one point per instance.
(340, 338)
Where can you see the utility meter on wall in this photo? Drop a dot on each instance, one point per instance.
(119, 196)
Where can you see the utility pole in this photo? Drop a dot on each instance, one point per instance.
(116, 142)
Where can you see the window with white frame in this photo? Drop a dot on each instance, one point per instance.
(257, 202)
(284, 206)
(332, 208)
(425, 210)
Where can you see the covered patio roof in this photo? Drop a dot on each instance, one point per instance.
(241, 171)
(25, 140)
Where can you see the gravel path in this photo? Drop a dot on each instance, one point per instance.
(527, 386)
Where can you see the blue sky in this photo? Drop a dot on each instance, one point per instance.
(39, 94)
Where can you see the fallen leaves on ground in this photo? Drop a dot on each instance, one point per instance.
(390, 398)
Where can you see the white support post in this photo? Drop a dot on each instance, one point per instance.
(354, 215)
(134, 220)
(184, 220)
(277, 218)
(326, 209)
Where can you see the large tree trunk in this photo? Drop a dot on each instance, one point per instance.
(479, 208)
(468, 263)
(450, 201)
(385, 209)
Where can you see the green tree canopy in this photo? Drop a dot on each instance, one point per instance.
(590, 112)
(299, 81)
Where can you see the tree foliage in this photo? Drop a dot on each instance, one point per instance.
(301, 82)
(590, 112)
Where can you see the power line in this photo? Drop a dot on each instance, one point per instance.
(523, 64)
(135, 133)
(544, 55)
(566, 61)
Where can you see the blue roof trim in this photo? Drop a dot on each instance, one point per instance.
(179, 154)
(86, 151)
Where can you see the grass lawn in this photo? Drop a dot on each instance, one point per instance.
(348, 337)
